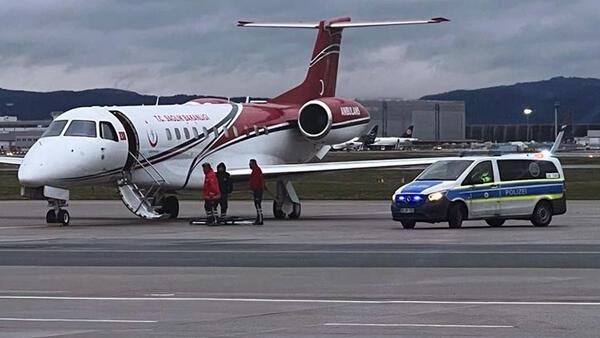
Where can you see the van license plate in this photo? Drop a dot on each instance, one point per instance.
(407, 210)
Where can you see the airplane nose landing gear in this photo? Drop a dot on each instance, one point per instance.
(56, 214)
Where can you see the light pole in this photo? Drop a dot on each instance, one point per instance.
(556, 106)
(527, 112)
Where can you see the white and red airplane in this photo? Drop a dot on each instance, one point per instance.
(151, 152)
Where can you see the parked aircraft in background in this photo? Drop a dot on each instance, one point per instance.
(404, 140)
(371, 141)
(358, 143)
(151, 152)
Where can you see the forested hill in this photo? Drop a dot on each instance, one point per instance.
(579, 97)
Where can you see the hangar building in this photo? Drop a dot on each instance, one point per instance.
(433, 120)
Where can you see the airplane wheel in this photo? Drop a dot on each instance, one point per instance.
(170, 205)
(277, 212)
(51, 216)
(63, 217)
(295, 214)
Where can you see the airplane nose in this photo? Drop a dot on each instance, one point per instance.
(31, 171)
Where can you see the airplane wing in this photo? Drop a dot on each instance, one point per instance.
(11, 160)
(304, 168)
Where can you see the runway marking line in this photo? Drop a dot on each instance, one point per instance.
(315, 301)
(79, 320)
(423, 325)
(241, 251)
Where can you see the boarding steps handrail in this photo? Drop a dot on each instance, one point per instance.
(132, 194)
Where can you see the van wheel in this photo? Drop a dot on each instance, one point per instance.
(542, 214)
(408, 224)
(456, 215)
(495, 222)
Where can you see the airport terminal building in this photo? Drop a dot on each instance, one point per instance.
(433, 120)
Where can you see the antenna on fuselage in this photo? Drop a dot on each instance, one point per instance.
(157, 99)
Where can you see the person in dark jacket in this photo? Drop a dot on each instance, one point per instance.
(211, 193)
(257, 185)
(225, 186)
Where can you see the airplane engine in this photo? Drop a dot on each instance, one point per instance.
(332, 120)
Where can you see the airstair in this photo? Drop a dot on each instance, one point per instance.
(142, 201)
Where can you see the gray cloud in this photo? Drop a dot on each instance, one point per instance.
(187, 46)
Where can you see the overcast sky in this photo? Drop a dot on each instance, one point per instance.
(194, 47)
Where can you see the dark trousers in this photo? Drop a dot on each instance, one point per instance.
(223, 204)
(258, 195)
(210, 206)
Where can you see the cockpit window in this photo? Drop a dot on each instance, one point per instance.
(55, 128)
(81, 128)
(444, 170)
(107, 131)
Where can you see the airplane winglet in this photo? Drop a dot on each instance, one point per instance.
(439, 19)
(558, 140)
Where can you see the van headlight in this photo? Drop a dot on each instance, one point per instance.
(436, 196)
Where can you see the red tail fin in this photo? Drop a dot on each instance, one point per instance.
(322, 71)
(321, 77)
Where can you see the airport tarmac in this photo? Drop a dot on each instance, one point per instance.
(344, 269)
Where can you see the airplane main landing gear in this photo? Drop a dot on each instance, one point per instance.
(56, 214)
(169, 205)
(286, 202)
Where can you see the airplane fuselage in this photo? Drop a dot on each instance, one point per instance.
(171, 141)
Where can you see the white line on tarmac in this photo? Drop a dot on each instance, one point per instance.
(314, 301)
(241, 251)
(8, 319)
(422, 325)
(23, 227)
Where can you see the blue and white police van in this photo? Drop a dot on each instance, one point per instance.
(491, 188)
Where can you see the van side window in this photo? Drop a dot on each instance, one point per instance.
(107, 132)
(518, 170)
(186, 132)
(481, 174)
(169, 136)
(177, 134)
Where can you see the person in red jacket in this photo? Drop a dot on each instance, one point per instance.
(257, 185)
(211, 193)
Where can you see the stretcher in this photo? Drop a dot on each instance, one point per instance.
(230, 220)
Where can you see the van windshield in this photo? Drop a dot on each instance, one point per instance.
(444, 170)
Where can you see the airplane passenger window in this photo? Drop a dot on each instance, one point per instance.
(186, 132)
(235, 131)
(256, 130)
(195, 131)
(205, 131)
(81, 128)
(169, 136)
(177, 134)
(55, 128)
(107, 131)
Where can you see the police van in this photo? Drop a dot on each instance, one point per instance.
(491, 188)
